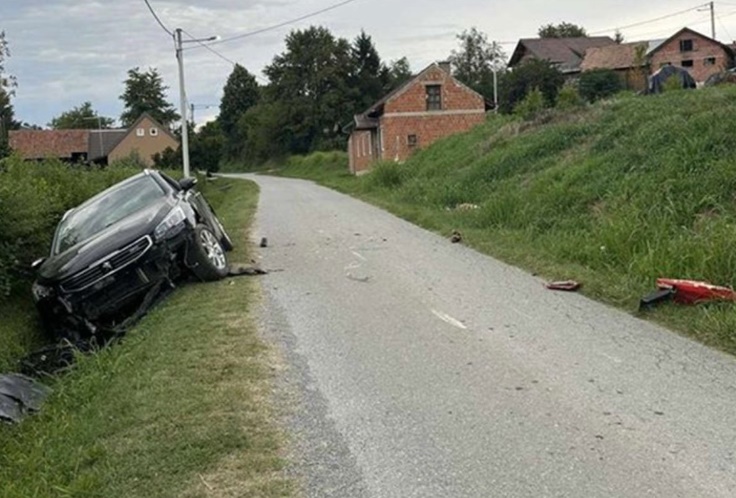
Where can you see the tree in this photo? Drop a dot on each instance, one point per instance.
(369, 76)
(7, 86)
(532, 74)
(312, 81)
(598, 84)
(207, 145)
(562, 30)
(81, 117)
(474, 62)
(145, 92)
(241, 92)
(618, 37)
(399, 72)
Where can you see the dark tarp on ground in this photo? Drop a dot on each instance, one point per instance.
(657, 80)
(19, 395)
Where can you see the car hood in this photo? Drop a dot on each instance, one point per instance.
(122, 233)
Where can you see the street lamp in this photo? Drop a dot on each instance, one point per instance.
(182, 96)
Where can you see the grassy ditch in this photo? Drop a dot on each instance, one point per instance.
(179, 408)
(613, 195)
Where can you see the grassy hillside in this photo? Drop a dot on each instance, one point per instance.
(614, 195)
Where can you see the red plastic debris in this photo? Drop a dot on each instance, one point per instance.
(566, 285)
(694, 292)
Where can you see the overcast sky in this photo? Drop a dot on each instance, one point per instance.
(64, 52)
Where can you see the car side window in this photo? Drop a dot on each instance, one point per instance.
(170, 181)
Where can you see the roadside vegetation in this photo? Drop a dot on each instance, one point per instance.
(613, 194)
(178, 408)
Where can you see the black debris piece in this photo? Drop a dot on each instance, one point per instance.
(264, 242)
(660, 296)
(456, 237)
(20, 395)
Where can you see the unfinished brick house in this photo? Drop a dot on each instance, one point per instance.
(430, 106)
(700, 55)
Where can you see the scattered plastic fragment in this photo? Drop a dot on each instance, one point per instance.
(564, 285)
(240, 269)
(694, 292)
(264, 242)
(456, 237)
(660, 296)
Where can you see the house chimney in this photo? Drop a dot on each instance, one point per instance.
(445, 66)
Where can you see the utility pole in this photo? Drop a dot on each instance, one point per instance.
(183, 95)
(713, 20)
(182, 105)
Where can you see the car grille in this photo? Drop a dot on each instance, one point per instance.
(107, 266)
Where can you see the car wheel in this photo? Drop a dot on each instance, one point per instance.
(208, 254)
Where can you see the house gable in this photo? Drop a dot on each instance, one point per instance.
(145, 138)
(699, 54)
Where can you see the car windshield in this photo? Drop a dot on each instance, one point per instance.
(106, 211)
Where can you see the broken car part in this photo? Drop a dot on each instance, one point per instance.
(564, 285)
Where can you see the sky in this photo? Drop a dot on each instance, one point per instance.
(65, 52)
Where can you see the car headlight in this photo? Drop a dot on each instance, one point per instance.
(41, 291)
(173, 220)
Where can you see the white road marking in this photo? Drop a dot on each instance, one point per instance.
(448, 319)
(359, 256)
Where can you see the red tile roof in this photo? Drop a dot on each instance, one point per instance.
(566, 53)
(40, 144)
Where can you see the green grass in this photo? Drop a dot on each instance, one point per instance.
(614, 195)
(179, 408)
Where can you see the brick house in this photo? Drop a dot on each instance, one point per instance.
(566, 54)
(144, 138)
(700, 55)
(430, 106)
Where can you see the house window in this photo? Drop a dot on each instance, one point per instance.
(434, 97)
(140, 132)
(153, 132)
(687, 63)
(411, 141)
(709, 61)
(686, 45)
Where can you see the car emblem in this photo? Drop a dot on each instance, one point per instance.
(106, 267)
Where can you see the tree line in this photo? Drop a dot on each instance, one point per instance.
(314, 88)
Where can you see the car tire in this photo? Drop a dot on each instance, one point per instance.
(210, 260)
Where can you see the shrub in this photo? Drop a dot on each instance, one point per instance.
(33, 197)
(569, 98)
(531, 106)
(599, 84)
(516, 84)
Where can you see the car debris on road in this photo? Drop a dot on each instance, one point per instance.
(687, 292)
(19, 396)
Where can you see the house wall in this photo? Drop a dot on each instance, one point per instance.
(361, 151)
(146, 146)
(406, 115)
(703, 48)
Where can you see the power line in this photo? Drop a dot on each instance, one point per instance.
(641, 23)
(153, 13)
(282, 24)
(218, 54)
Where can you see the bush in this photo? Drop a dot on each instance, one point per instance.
(33, 197)
(531, 106)
(515, 85)
(569, 98)
(599, 84)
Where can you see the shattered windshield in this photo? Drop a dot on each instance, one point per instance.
(106, 211)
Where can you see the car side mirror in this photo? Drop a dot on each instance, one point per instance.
(37, 264)
(187, 183)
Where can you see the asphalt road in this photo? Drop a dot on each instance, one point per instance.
(417, 368)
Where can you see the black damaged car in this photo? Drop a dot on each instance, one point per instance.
(113, 254)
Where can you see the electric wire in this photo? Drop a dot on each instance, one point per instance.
(282, 24)
(642, 23)
(155, 16)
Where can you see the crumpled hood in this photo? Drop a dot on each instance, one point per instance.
(117, 236)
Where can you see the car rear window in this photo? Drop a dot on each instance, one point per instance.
(101, 212)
